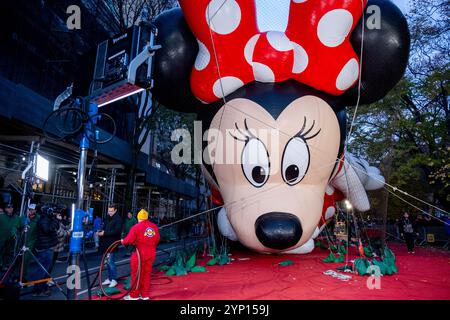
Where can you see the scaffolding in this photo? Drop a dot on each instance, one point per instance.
(61, 188)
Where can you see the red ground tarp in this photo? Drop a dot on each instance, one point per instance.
(424, 275)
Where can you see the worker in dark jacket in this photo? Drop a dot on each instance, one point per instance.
(112, 230)
(47, 238)
(408, 231)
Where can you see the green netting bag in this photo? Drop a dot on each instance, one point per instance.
(321, 245)
(127, 283)
(391, 267)
(394, 268)
(389, 261)
(341, 249)
(191, 262)
(286, 263)
(223, 259)
(213, 251)
(198, 269)
(361, 266)
(212, 262)
(109, 291)
(330, 258)
(171, 271)
(180, 271)
(380, 264)
(368, 252)
(343, 268)
(388, 254)
(163, 268)
(179, 261)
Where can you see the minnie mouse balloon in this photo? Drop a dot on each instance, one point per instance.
(272, 105)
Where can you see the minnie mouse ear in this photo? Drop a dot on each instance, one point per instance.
(174, 61)
(385, 51)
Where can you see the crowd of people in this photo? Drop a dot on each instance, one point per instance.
(45, 231)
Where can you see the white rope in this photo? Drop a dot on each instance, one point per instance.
(190, 217)
(216, 59)
(444, 222)
(360, 76)
(403, 192)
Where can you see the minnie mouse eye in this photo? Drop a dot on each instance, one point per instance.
(295, 161)
(255, 162)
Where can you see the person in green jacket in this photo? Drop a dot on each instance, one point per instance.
(130, 221)
(30, 220)
(10, 226)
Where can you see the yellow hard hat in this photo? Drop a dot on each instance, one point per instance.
(142, 215)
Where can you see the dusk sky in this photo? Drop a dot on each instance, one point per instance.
(402, 4)
(268, 21)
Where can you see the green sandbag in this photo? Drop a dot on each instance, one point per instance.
(390, 265)
(389, 270)
(341, 258)
(394, 268)
(368, 252)
(213, 251)
(223, 259)
(163, 268)
(198, 269)
(109, 291)
(341, 249)
(179, 261)
(286, 263)
(191, 262)
(388, 254)
(333, 248)
(343, 268)
(389, 261)
(383, 267)
(330, 258)
(361, 266)
(180, 271)
(171, 271)
(127, 283)
(321, 245)
(212, 262)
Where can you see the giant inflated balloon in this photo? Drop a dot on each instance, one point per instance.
(272, 105)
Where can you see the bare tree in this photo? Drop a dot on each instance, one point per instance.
(119, 15)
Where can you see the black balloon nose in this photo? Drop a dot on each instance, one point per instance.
(278, 230)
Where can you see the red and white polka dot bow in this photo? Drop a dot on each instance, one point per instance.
(314, 50)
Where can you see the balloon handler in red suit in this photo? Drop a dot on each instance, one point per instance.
(145, 237)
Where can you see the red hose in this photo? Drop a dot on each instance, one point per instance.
(102, 263)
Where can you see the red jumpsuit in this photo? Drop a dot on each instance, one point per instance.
(145, 237)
